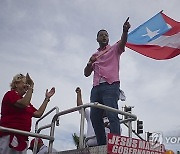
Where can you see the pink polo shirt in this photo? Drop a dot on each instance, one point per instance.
(107, 65)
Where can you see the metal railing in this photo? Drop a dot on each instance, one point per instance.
(56, 119)
(37, 130)
(25, 133)
(82, 108)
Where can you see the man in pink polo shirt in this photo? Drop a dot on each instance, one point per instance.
(105, 65)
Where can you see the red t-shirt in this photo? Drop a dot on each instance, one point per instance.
(15, 117)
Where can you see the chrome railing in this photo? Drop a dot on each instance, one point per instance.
(82, 108)
(37, 130)
(55, 120)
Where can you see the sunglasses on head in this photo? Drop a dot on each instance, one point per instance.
(20, 76)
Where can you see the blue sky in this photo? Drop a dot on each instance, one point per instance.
(53, 40)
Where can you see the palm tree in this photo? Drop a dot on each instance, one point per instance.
(76, 140)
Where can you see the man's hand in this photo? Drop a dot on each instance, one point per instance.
(78, 90)
(92, 60)
(79, 97)
(126, 25)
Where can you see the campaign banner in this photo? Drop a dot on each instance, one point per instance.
(126, 145)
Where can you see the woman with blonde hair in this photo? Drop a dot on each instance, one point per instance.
(17, 112)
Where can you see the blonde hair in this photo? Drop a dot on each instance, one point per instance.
(16, 78)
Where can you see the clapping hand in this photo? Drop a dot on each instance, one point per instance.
(50, 93)
(29, 81)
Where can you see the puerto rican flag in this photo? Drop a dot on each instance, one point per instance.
(157, 38)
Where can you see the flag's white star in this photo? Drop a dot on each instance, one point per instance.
(150, 33)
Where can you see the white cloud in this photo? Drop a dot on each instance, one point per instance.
(54, 40)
